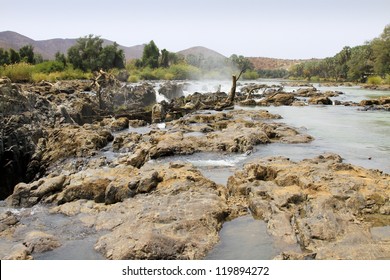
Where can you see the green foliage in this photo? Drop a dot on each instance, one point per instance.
(14, 56)
(360, 64)
(241, 62)
(150, 55)
(250, 75)
(133, 79)
(374, 80)
(19, 72)
(273, 73)
(183, 72)
(27, 54)
(60, 57)
(351, 64)
(164, 58)
(4, 57)
(67, 74)
(381, 52)
(387, 79)
(89, 55)
(49, 67)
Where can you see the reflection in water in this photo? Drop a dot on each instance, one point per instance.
(244, 238)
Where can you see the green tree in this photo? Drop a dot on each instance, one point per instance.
(4, 57)
(84, 55)
(112, 57)
(89, 55)
(164, 58)
(38, 58)
(360, 65)
(60, 57)
(241, 63)
(381, 52)
(14, 56)
(341, 60)
(150, 55)
(27, 54)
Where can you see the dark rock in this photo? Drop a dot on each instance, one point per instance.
(171, 90)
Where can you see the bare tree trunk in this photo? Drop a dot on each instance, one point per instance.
(232, 94)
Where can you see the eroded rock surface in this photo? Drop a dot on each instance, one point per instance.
(324, 205)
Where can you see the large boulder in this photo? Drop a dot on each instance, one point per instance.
(168, 211)
(171, 90)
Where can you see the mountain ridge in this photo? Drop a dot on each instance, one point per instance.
(47, 48)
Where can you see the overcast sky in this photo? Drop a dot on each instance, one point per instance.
(272, 28)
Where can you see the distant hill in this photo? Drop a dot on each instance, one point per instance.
(267, 63)
(48, 48)
(201, 51)
(206, 57)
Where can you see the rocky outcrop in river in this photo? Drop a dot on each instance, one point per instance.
(322, 204)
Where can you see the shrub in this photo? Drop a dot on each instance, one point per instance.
(20, 72)
(133, 79)
(68, 74)
(250, 75)
(184, 72)
(374, 80)
(387, 79)
(49, 67)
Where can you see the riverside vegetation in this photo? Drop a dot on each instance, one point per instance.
(368, 63)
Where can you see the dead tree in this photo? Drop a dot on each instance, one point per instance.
(232, 93)
(99, 82)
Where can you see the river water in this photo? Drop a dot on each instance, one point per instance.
(360, 137)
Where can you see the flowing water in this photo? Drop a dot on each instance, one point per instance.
(360, 137)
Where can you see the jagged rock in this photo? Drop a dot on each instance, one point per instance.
(171, 90)
(158, 112)
(320, 203)
(321, 100)
(180, 221)
(7, 220)
(19, 252)
(72, 141)
(38, 242)
(278, 99)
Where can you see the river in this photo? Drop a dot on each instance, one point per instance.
(360, 137)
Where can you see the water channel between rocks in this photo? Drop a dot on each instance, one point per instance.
(360, 137)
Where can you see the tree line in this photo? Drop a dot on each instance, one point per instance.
(25, 54)
(354, 64)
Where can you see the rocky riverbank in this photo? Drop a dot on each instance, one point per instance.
(91, 158)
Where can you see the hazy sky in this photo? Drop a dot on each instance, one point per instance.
(278, 28)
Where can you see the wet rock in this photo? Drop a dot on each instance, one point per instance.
(120, 124)
(159, 112)
(278, 99)
(123, 76)
(322, 100)
(248, 102)
(179, 221)
(306, 92)
(376, 104)
(7, 220)
(171, 90)
(73, 141)
(19, 252)
(39, 242)
(318, 203)
(27, 195)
